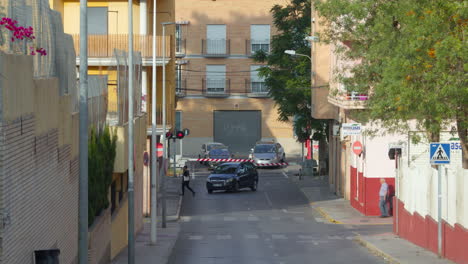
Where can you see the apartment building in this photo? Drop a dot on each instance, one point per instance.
(220, 96)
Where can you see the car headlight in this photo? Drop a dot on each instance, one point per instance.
(230, 180)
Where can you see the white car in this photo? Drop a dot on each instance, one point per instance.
(267, 152)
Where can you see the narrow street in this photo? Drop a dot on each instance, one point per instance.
(275, 224)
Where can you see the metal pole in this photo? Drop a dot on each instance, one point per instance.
(174, 169)
(154, 165)
(131, 201)
(164, 122)
(439, 214)
(83, 137)
(397, 189)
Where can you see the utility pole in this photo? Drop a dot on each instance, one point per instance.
(131, 195)
(83, 137)
(154, 166)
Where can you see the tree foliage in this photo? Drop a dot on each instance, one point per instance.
(288, 77)
(101, 157)
(413, 59)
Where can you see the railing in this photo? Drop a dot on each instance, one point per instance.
(216, 87)
(348, 100)
(102, 46)
(180, 48)
(256, 88)
(215, 47)
(254, 45)
(181, 88)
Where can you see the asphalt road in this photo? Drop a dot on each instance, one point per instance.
(272, 225)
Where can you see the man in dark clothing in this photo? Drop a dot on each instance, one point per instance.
(186, 181)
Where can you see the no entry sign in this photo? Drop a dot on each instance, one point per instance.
(159, 149)
(357, 148)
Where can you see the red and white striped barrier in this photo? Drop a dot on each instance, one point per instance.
(249, 160)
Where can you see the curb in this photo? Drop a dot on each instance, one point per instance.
(327, 216)
(378, 252)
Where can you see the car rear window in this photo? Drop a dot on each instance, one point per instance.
(219, 152)
(264, 149)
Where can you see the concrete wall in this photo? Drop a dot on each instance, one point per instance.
(39, 165)
(99, 239)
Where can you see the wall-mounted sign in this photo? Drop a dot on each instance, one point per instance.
(350, 129)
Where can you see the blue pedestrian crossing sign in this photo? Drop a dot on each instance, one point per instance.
(439, 153)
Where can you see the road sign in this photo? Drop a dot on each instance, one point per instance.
(439, 153)
(357, 148)
(159, 149)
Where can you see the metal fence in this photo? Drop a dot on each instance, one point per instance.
(97, 101)
(118, 105)
(60, 60)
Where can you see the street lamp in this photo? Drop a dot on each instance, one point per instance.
(293, 53)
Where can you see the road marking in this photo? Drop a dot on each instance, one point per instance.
(251, 236)
(207, 218)
(285, 211)
(195, 237)
(229, 218)
(335, 237)
(252, 218)
(299, 219)
(278, 236)
(285, 175)
(223, 237)
(321, 220)
(185, 218)
(306, 237)
(268, 199)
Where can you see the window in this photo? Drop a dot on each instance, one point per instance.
(97, 20)
(216, 39)
(260, 38)
(179, 41)
(178, 121)
(257, 83)
(215, 78)
(179, 78)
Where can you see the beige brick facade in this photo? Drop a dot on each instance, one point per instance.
(196, 108)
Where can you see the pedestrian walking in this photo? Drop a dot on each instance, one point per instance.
(383, 197)
(186, 181)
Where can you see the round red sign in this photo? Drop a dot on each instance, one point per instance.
(357, 148)
(159, 149)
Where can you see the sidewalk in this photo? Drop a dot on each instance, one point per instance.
(166, 237)
(335, 210)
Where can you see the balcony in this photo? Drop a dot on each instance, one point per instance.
(216, 87)
(255, 88)
(348, 100)
(102, 46)
(181, 88)
(215, 48)
(252, 46)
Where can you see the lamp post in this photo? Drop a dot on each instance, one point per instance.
(154, 166)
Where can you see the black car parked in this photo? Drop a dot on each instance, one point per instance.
(233, 176)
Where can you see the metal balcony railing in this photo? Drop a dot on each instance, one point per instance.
(102, 46)
(256, 88)
(180, 48)
(215, 47)
(348, 100)
(181, 88)
(216, 87)
(254, 45)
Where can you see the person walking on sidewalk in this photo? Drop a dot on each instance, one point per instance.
(186, 181)
(383, 196)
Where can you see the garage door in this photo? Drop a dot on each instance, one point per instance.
(238, 129)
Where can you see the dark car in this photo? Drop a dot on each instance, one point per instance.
(233, 176)
(218, 153)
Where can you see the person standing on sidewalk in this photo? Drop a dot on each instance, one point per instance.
(186, 181)
(383, 196)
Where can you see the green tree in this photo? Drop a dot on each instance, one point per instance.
(412, 60)
(288, 77)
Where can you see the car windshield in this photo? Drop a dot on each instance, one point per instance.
(219, 152)
(225, 169)
(215, 146)
(264, 149)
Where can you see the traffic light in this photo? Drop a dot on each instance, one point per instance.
(168, 135)
(180, 134)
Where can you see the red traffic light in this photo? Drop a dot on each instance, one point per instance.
(168, 135)
(180, 134)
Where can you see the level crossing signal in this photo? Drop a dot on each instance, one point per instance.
(177, 135)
